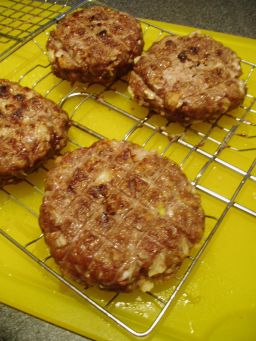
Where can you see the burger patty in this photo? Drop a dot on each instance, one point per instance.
(32, 129)
(188, 78)
(94, 44)
(117, 216)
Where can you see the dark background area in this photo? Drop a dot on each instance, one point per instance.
(230, 16)
(234, 17)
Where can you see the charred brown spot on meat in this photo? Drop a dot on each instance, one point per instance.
(110, 210)
(78, 177)
(103, 189)
(98, 191)
(218, 71)
(17, 114)
(56, 140)
(125, 155)
(4, 90)
(135, 184)
(102, 33)
(19, 97)
(194, 49)
(97, 16)
(80, 31)
(219, 52)
(169, 43)
(182, 56)
(76, 14)
(36, 104)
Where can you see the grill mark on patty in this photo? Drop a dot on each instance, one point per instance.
(132, 167)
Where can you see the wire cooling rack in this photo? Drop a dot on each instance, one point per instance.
(224, 146)
(20, 21)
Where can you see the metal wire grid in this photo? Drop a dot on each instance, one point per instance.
(20, 21)
(85, 94)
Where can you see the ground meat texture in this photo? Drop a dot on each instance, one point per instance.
(117, 216)
(32, 129)
(188, 78)
(94, 44)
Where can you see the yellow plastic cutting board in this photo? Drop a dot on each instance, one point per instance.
(218, 302)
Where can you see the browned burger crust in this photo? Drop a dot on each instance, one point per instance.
(188, 78)
(95, 44)
(117, 216)
(32, 129)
